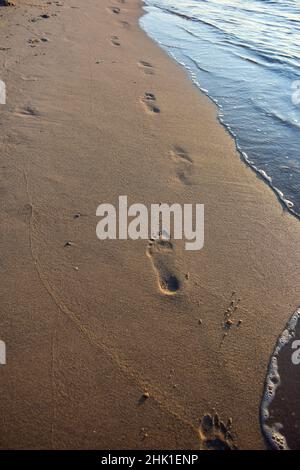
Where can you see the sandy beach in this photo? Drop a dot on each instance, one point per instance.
(99, 356)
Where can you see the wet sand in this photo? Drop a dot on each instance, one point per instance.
(87, 326)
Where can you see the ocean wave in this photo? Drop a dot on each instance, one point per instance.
(245, 57)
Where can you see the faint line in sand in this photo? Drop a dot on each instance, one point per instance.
(127, 370)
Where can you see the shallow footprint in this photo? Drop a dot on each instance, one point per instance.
(125, 24)
(184, 168)
(115, 10)
(215, 435)
(184, 176)
(27, 110)
(182, 154)
(161, 253)
(149, 102)
(115, 41)
(147, 67)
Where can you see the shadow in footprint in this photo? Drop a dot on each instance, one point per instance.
(161, 253)
(147, 67)
(184, 168)
(115, 10)
(115, 41)
(215, 435)
(125, 24)
(181, 153)
(27, 110)
(149, 102)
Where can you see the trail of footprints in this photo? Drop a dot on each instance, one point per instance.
(116, 11)
(181, 158)
(213, 433)
(160, 251)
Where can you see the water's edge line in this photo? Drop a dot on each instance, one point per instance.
(261, 174)
(273, 435)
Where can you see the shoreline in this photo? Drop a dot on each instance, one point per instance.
(281, 197)
(85, 344)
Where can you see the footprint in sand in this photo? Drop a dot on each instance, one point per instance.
(183, 162)
(149, 102)
(27, 110)
(161, 253)
(115, 41)
(215, 435)
(147, 67)
(115, 10)
(181, 153)
(125, 24)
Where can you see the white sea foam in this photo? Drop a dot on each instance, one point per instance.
(274, 433)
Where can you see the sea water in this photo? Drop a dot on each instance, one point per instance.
(244, 54)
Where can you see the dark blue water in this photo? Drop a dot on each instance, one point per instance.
(245, 54)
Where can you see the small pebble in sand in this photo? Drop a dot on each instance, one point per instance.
(68, 243)
(200, 321)
(146, 395)
(187, 276)
(239, 322)
(229, 322)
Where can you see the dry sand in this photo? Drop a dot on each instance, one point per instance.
(87, 328)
